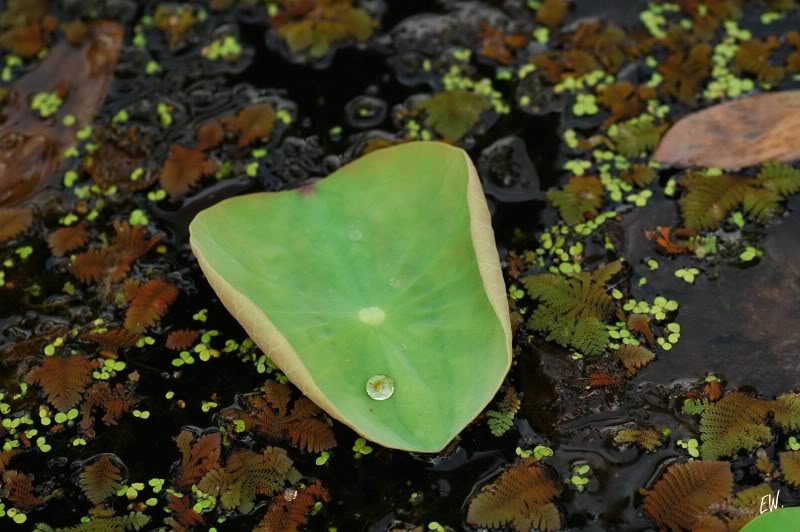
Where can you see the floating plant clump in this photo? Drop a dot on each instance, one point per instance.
(251, 280)
(395, 271)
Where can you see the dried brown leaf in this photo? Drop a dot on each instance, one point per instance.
(13, 222)
(736, 134)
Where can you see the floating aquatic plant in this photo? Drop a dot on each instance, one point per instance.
(502, 419)
(403, 218)
(453, 113)
(573, 309)
(735, 422)
(315, 26)
(521, 497)
(687, 493)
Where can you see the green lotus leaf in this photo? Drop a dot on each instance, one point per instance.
(388, 267)
(779, 520)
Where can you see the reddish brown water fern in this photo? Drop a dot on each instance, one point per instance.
(66, 239)
(183, 515)
(688, 493)
(101, 479)
(634, 357)
(18, 489)
(114, 402)
(247, 474)
(252, 123)
(183, 169)
(113, 262)
(149, 305)
(289, 515)
(14, 222)
(63, 379)
(640, 323)
(113, 339)
(521, 497)
(181, 339)
(5, 458)
(198, 456)
(268, 413)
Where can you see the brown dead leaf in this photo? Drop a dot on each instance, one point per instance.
(736, 134)
(30, 147)
(13, 222)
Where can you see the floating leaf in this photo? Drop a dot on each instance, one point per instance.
(63, 379)
(182, 339)
(316, 25)
(66, 239)
(521, 497)
(183, 169)
(247, 474)
(775, 521)
(731, 135)
(150, 304)
(101, 479)
(13, 222)
(687, 493)
(198, 457)
(290, 515)
(389, 321)
(580, 199)
(453, 113)
(737, 421)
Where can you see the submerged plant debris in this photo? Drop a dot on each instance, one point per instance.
(654, 308)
